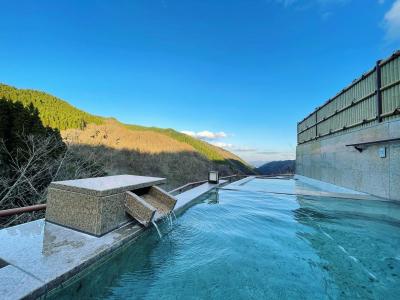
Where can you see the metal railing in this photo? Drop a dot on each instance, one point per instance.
(21, 210)
(39, 207)
(186, 186)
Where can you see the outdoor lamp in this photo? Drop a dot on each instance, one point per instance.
(213, 177)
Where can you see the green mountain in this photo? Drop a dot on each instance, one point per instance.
(59, 114)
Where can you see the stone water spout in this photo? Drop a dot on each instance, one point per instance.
(149, 204)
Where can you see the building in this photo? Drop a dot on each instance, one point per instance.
(353, 140)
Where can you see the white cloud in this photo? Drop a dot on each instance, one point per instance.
(252, 155)
(243, 149)
(223, 145)
(187, 132)
(233, 148)
(326, 8)
(205, 135)
(267, 156)
(249, 154)
(392, 22)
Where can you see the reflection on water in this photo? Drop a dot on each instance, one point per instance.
(245, 244)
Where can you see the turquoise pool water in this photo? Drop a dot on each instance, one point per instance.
(249, 244)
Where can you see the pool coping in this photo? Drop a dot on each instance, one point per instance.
(326, 190)
(41, 256)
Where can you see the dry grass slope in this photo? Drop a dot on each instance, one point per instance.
(143, 151)
(178, 167)
(116, 136)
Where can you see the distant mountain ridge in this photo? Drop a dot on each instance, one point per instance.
(277, 167)
(83, 128)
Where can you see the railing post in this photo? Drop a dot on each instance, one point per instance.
(378, 91)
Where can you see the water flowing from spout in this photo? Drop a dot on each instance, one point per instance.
(170, 219)
(158, 230)
(165, 219)
(173, 214)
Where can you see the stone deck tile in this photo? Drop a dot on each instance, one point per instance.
(16, 284)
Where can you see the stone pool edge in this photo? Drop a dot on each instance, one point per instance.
(35, 287)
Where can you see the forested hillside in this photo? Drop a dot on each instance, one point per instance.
(59, 114)
(53, 111)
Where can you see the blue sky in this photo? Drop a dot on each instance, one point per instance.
(239, 74)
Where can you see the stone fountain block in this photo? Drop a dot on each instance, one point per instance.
(93, 205)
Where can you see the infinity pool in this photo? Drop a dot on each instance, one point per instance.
(247, 243)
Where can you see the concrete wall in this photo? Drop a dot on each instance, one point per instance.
(328, 159)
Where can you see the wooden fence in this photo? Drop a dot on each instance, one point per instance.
(371, 99)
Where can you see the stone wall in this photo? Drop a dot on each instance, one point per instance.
(329, 160)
